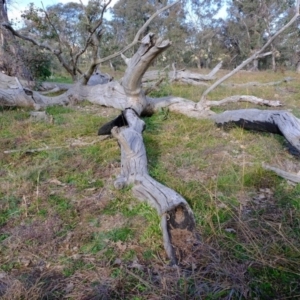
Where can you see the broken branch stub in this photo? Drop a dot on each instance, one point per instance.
(177, 220)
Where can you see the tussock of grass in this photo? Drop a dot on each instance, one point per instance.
(67, 233)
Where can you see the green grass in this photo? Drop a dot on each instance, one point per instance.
(60, 214)
(61, 79)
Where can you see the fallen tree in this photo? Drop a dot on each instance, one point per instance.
(177, 219)
(176, 215)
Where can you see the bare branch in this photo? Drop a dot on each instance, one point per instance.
(244, 98)
(92, 31)
(53, 27)
(265, 54)
(137, 36)
(56, 52)
(126, 59)
(26, 38)
(256, 83)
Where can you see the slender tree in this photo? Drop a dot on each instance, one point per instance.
(11, 55)
(250, 24)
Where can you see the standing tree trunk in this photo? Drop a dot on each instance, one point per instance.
(254, 67)
(274, 55)
(11, 61)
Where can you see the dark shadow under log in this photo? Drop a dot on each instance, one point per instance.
(274, 121)
(252, 125)
(177, 220)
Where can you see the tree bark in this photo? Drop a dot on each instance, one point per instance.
(176, 215)
(11, 61)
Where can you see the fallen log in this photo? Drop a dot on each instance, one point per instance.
(181, 76)
(177, 220)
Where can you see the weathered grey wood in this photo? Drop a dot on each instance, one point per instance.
(274, 121)
(134, 171)
(256, 83)
(244, 98)
(178, 105)
(138, 65)
(181, 75)
(176, 215)
(111, 94)
(53, 85)
(286, 175)
(99, 78)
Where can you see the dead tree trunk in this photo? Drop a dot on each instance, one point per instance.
(176, 215)
(177, 221)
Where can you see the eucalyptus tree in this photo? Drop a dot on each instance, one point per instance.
(129, 15)
(203, 24)
(71, 31)
(250, 24)
(11, 56)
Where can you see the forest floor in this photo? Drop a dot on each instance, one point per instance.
(66, 233)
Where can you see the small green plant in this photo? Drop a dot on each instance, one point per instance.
(120, 234)
(56, 110)
(72, 265)
(100, 241)
(10, 208)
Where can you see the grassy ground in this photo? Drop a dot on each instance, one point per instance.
(66, 233)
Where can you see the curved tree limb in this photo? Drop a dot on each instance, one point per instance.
(56, 52)
(138, 65)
